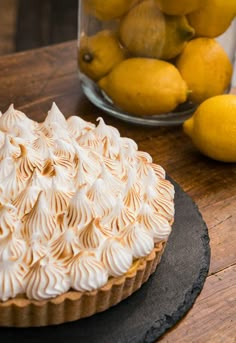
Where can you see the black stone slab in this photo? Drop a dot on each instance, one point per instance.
(157, 306)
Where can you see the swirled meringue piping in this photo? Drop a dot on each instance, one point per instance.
(120, 216)
(12, 117)
(9, 222)
(154, 223)
(65, 246)
(102, 130)
(37, 247)
(92, 235)
(77, 126)
(102, 204)
(64, 149)
(138, 239)
(39, 220)
(115, 185)
(46, 279)
(55, 116)
(27, 162)
(80, 211)
(159, 171)
(12, 247)
(160, 204)
(89, 139)
(26, 199)
(116, 257)
(87, 272)
(42, 144)
(57, 198)
(12, 278)
(8, 149)
(13, 184)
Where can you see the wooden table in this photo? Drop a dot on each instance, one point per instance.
(32, 80)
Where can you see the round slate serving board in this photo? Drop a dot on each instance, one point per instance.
(157, 306)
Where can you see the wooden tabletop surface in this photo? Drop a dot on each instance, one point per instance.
(33, 79)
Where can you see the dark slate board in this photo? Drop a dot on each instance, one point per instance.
(158, 305)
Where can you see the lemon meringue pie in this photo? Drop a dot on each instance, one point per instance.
(84, 218)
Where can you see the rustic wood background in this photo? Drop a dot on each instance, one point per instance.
(29, 24)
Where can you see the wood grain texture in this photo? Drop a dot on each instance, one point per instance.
(47, 22)
(8, 13)
(33, 79)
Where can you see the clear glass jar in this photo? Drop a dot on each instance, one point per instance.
(152, 62)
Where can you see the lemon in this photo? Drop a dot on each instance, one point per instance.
(179, 7)
(213, 18)
(109, 9)
(146, 32)
(213, 128)
(206, 68)
(143, 86)
(99, 53)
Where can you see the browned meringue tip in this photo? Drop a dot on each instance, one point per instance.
(22, 312)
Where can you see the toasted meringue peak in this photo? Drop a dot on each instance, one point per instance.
(26, 199)
(160, 203)
(92, 235)
(13, 184)
(77, 126)
(120, 217)
(42, 144)
(89, 139)
(138, 239)
(57, 197)
(55, 116)
(39, 220)
(87, 272)
(113, 182)
(64, 149)
(9, 222)
(21, 130)
(116, 257)
(12, 276)
(154, 223)
(46, 279)
(159, 171)
(102, 204)
(80, 210)
(65, 246)
(12, 247)
(37, 247)
(8, 149)
(28, 161)
(103, 130)
(11, 118)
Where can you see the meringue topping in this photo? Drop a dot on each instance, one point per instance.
(78, 204)
(87, 272)
(46, 279)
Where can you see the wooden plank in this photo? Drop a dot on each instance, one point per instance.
(48, 22)
(8, 12)
(213, 316)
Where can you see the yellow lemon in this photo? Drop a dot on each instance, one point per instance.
(108, 9)
(146, 32)
(206, 68)
(99, 53)
(179, 7)
(143, 86)
(214, 18)
(213, 128)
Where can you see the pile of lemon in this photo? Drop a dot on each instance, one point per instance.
(152, 55)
